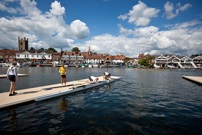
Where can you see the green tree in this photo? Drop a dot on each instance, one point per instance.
(144, 62)
(51, 49)
(194, 55)
(32, 48)
(42, 49)
(75, 49)
(151, 58)
(127, 58)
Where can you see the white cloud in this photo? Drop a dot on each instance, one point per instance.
(146, 31)
(185, 7)
(3, 7)
(182, 39)
(125, 31)
(47, 30)
(10, 0)
(185, 24)
(79, 29)
(57, 9)
(70, 41)
(140, 15)
(29, 8)
(123, 17)
(169, 9)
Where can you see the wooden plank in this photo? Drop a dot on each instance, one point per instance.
(37, 94)
(196, 79)
(19, 75)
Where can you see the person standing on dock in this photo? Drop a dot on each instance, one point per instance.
(93, 79)
(106, 76)
(12, 75)
(62, 72)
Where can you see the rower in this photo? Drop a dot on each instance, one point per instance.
(106, 76)
(93, 79)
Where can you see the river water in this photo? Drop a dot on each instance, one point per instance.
(141, 103)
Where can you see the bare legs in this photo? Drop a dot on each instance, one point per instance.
(63, 79)
(12, 88)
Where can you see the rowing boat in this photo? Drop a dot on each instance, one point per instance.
(74, 89)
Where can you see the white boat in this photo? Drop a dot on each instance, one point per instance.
(95, 65)
(6, 65)
(73, 89)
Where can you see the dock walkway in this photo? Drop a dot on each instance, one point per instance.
(20, 75)
(37, 94)
(196, 79)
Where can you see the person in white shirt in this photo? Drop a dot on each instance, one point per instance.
(93, 79)
(106, 76)
(12, 75)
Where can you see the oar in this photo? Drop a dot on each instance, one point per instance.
(126, 81)
(61, 86)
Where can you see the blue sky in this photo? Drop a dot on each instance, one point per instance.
(128, 27)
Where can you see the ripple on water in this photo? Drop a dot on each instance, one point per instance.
(140, 103)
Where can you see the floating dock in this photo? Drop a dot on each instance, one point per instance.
(141, 69)
(47, 92)
(19, 75)
(196, 79)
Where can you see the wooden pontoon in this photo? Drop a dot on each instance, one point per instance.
(47, 92)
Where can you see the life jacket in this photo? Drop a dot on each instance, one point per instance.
(11, 68)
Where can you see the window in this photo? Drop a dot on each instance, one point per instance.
(21, 43)
(1, 56)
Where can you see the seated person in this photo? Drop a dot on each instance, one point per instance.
(93, 79)
(106, 76)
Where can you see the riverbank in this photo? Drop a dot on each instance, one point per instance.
(60, 64)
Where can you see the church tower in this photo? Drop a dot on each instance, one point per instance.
(89, 51)
(22, 44)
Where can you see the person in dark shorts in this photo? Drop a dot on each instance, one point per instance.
(62, 72)
(12, 75)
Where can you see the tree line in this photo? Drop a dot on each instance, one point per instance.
(75, 49)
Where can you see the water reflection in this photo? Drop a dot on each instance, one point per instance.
(140, 103)
(63, 105)
(13, 121)
(106, 87)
